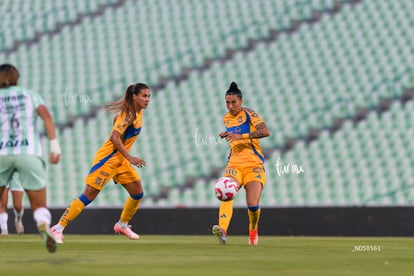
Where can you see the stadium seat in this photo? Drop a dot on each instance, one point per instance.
(303, 79)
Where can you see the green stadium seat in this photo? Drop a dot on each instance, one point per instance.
(301, 80)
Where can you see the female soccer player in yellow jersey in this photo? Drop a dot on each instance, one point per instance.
(114, 161)
(245, 161)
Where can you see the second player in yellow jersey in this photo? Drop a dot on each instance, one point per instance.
(244, 127)
(109, 162)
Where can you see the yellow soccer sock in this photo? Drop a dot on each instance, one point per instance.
(131, 206)
(254, 216)
(225, 214)
(74, 209)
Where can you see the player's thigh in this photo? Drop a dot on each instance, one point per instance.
(251, 174)
(254, 179)
(130, 180)
(37, 198)
(134, 188)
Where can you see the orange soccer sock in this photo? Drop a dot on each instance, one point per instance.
(225, 214)
(254, 216)
(131, 206)
(74, 209)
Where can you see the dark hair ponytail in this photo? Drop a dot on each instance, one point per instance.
(234, 90)
(126, 103)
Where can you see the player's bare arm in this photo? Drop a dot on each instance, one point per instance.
(260, 132)
(115, 138)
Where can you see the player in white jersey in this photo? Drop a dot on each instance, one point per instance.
(20, 149)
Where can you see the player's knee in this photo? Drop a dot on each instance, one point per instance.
(85, 200)
(138, 196)
(90, 192)
(253, 208)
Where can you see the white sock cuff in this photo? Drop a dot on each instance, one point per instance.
(42, 214)
(58, 227)
(18, 214)
(3, 220)
(123, 224)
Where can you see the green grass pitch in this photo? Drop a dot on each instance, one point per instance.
(202, 255)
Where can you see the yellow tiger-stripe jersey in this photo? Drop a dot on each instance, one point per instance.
(244, 152)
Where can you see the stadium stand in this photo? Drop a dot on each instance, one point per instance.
(301, 64)
(161, 46)
(24, 20)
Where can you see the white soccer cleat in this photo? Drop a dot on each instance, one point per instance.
(58, 235)
(4, 233)
(220, 234)
(125, 231)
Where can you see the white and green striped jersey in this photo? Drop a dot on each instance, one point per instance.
(18, 121)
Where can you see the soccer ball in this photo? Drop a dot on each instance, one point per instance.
(225, 188)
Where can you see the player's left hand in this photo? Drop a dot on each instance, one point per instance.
(54, 158)
(233, 136)
(137, 162)
(223, 134)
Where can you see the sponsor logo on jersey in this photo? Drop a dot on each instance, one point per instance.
(13, 143)
(104, 173)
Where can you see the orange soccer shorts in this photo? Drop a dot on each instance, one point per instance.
(247, 174)
(122, 173)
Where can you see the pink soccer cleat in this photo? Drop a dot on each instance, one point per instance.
(253, 237)
(58, 235)
(125, 231)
